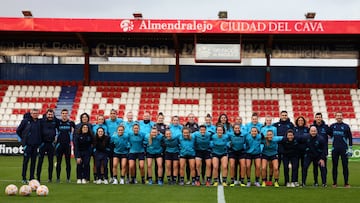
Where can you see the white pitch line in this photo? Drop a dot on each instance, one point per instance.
(220, 194)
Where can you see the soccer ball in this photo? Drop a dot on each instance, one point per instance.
(34, 184)
(11, 190)
(25, 190)
(42, 190)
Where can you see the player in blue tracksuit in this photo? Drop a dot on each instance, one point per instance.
(136, 152)
(324, 131)
(187, 153)
(208, 124)
(175, 126)
(254, 123)
(111, 124)
(120, 146)
(237, 153)
(129, 123)
(171, 156)
(300, 130)
(292, 147)
(49, 128)
(253, 153)
(29, 132)
(146, 124)
(101, 150)
(315, 153)
(100, 123)
(83, 140)
(219, 152)
(270, 154)
(63, 144)
(268, 126)
(341, 147)
(224, 121)
(154, 150)
(202, 153)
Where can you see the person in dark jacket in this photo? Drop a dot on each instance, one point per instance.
(82, 149)
(324, 131)
(63, 144)
(315, 153)
(291, 147)
(342, 147)
(30, 133)
(49, 128)
(282, 126)
(300, 130)
(101, 149)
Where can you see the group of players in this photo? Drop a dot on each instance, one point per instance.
(203, 153)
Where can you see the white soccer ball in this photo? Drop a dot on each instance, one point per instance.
(25, 190)
(34, 184)
(42, 190)
(11, 190)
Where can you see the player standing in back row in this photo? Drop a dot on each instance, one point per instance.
(63, 144)
(342, 147)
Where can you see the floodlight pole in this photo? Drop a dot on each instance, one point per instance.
(268, 51)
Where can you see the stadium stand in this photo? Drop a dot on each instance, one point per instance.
(17, 97)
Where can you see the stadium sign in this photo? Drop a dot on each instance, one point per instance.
(181, 26)
(11, 148)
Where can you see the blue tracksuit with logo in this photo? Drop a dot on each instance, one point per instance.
(341, 139)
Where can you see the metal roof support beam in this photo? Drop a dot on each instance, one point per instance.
(268, 52)
(177, 61)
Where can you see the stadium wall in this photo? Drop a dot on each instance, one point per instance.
(253, 74)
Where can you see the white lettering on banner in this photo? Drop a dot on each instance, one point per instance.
(308, 27)
(243, 26)
(8, 150)
(176, 26)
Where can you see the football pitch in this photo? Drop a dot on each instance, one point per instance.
(10, 173)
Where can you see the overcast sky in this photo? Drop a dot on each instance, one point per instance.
(185, 9)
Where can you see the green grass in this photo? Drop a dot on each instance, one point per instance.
(10, 172)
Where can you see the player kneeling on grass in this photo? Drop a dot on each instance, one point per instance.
(171, 143)
(202, 154)
(154, 150)
(237, 153)
(101, 152)
(187, 153)
(270, 154)
(136, 152)
(120, 145)
(253, 153)
(82, 148)
(219, 144)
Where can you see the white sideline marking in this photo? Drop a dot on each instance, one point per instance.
(220, 194)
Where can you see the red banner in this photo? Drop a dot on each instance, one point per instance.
(181, 26)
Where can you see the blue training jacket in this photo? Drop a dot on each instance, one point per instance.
(172, 145)
(219, 145)
(271, 148)
(202, 142)
(187, 146)
(253, 144)
(341, 136)
(136, 142)
(120, 143)
(155, 146)
(237, 141)
(112, 126)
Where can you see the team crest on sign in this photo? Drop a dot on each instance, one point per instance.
(126, 25)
